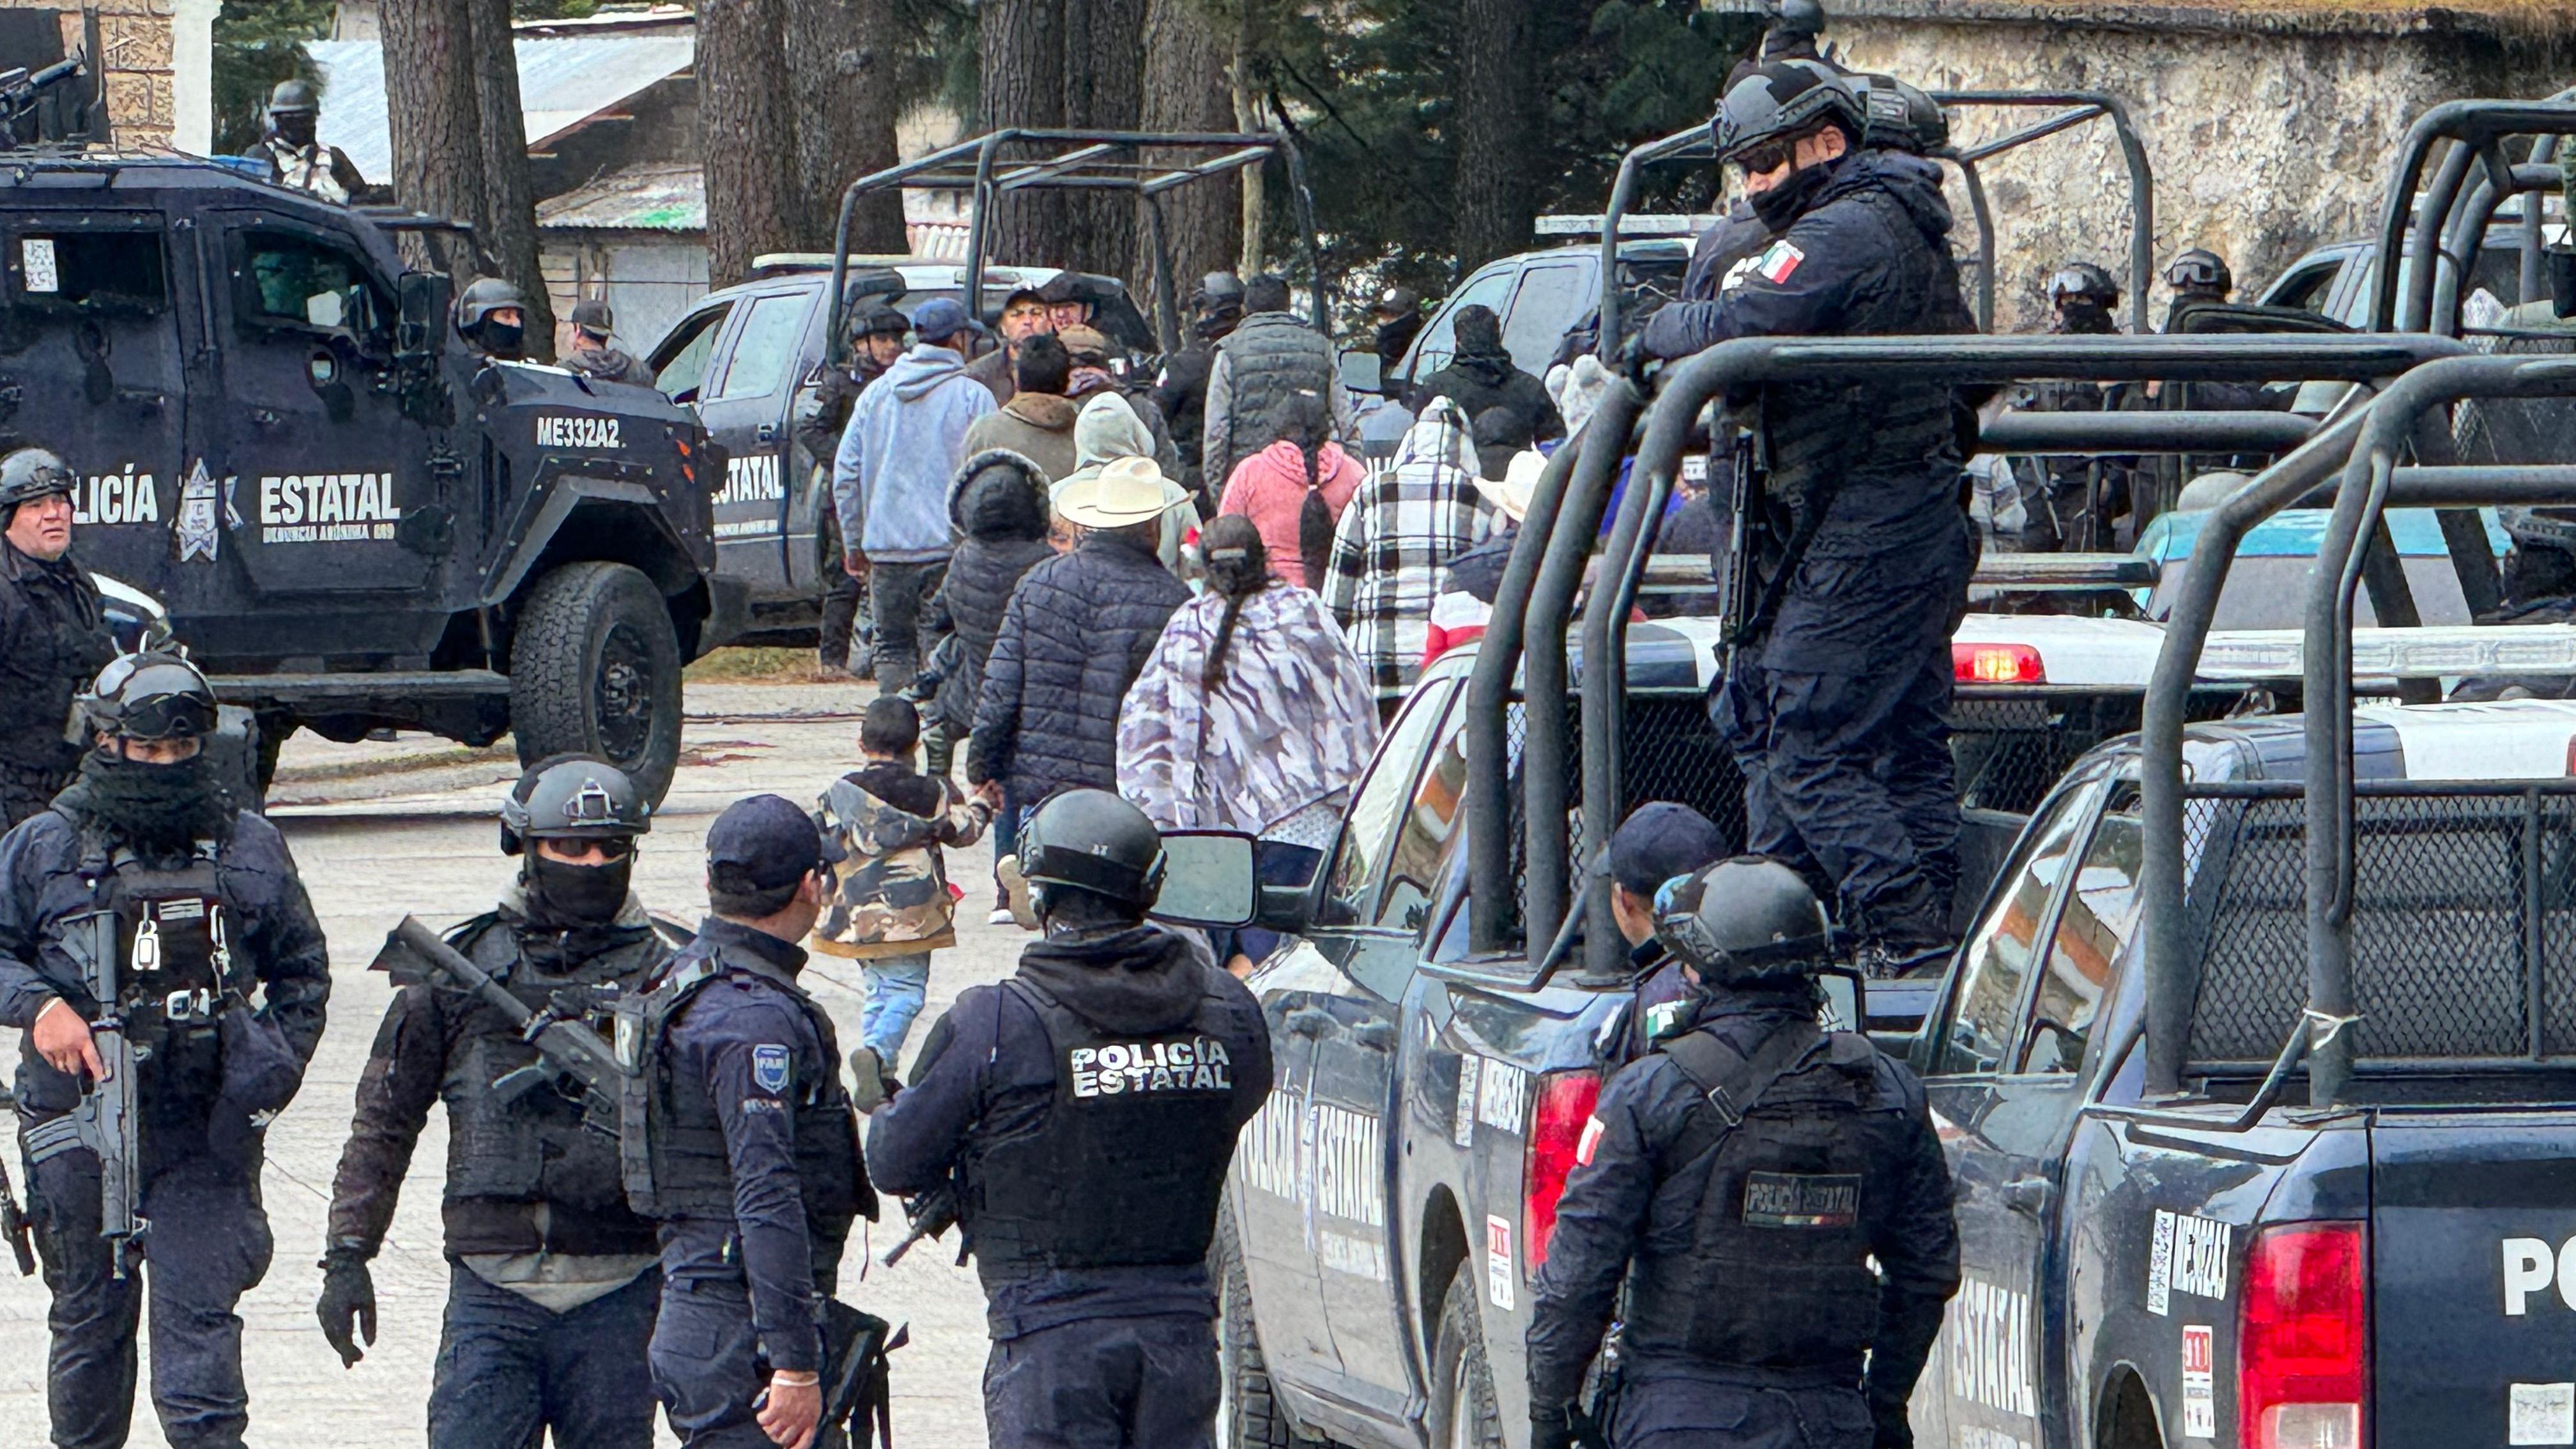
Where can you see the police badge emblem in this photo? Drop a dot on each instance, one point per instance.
(193, 528)
(769, 1067)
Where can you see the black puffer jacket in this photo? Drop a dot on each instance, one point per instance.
(1078, 631)
(1002, 514)
(1481, 376)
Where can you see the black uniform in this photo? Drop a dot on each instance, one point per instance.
(53, 641)
(1837, 716)
(1089, 1105)
(819, 422)
(2069, 502)
(552, 1277)
(741, 1140)
(227, 915)
(1753, 1316)
(1181, 392)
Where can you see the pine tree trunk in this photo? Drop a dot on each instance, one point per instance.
(1104, 90)
(507, 222)
(841, 72)
(433, 121)
(1023, 84)
(1185, 90)
(748, 135)
(1497, 92)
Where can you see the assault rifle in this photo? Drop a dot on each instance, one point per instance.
(1743, 543)
(13, 1226)
(106, 1120)
(856, 1385)
(929, 1215)
(567, 1048)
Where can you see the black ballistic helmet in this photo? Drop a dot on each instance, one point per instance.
(1896, 116)
(572, 797)
(31, 473)
(2200, 270)
(1092, 840)
(1218, 292)
(149, 697)
(485, 296)
(1743, 919)
(293, 98)
(1783, 100)
(1795, 19)
(2082, 282)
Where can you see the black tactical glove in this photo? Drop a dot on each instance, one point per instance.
(1634, 359)
(1552, 1428)
(348, 1304)
(871, 1085)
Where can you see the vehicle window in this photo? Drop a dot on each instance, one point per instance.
(682, 362)
(307, 282)
(1368, 835)
(1550, 300)
(765, 350)
(2308, 288)
(105, 271)
(1440, 340)
(1996, 966)
(1422, 841)
(2085, 949)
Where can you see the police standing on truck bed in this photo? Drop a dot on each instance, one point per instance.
(138, 918)
(53, 631)
(1771, 1193)
(1084, 1111)
(1835, 705)
(741, 1140)
(552, 1278)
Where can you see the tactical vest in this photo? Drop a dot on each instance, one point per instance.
(1125, 1167)
(532, 1147)
(1269, 357)
(177, 972)
(670, 1143)
(1774, 1273)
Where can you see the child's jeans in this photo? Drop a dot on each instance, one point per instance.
(895, 988)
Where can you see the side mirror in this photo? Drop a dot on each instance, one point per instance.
(421, 330)
(1846, 999)
(1288, 876)
(1208, 879)
(1362, 370)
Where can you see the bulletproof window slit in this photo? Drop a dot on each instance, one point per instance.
(88, 271)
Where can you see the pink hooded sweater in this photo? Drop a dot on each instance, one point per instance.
(1270, 487)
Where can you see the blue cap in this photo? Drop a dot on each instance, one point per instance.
(765, 842)
(1660, 840)
(938, 319)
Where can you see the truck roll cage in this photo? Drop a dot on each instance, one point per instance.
(2074, 108)
(1080, 160)
(2447, 217)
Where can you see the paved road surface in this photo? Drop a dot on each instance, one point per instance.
(375, 843)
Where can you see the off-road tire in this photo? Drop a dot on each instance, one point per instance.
(1460, 1379)
(595, 669)
(1258, 1421)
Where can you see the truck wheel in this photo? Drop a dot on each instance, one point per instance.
(595, 669)
(1462, 1387)
(1249, 1417)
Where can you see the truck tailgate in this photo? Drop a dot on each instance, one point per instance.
(2473, 1278)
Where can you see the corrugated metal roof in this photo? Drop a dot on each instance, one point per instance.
(652, 196)
(562, 83)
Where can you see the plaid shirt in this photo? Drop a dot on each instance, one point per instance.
(1403, 526)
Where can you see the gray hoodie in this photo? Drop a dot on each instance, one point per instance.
(903, 443)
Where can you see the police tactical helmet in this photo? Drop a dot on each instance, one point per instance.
(1742, 919)
(154, 696)
(1780, 102)
(484, 297)
(1802, 19)
(1092, 840)
(1399, 302)
(1218, 292)
(33, 473)
(1896, 116)
(2082, 282)
(293, 98)
(572, 797)
(877, 319)
(2200, 270)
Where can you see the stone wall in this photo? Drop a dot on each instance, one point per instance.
(159, 66)
(2265, 138)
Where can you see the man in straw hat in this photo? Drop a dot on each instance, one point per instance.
(1078, 631)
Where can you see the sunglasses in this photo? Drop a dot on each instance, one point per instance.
(1764, 159)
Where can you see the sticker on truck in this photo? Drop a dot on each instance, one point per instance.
(2189, 1255)
(1498, 1262)
(2542, 1414)
(2199, 1383)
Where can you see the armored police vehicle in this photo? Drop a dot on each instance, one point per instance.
(353, 520)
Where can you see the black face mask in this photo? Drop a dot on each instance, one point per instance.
(501, 339)
(151, 808)
(1788, 201)
(295, 130)
(2084, 319)
(563, 895)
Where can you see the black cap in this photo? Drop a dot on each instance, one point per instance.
(765, 842)
(1660, 840)
(592, 315)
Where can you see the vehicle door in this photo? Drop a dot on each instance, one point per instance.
(1552, 297)
(312, 469)
(2004, 1095)
(94, 372)
(743, 402)
(1384, 878)
(1438, 343)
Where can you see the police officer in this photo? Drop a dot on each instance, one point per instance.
(1398, 318)
(492, 317)
(2539, 588)
(590, 353)
(1836, 706)
(2198, 278)
(1739, 1179)
(874, 340)
(552, 1278)
(748, 1149)
(2067, 501)
(1659, 841)
(295, 158)
(1181, 389)
(207, 914)
(53, 631)
(1087, 1108)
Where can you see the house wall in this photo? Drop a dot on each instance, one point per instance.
(648, 281)
(2262, 145)
(142, 80)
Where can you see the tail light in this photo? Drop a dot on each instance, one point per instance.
(1996, 664)
(1555, 1142)
(2303, 1366)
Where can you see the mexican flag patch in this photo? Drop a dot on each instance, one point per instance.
(1780, 262)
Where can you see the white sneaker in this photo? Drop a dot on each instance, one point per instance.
(1000, 916)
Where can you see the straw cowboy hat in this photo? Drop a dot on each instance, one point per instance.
(1519, 481)
(1125, 492)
